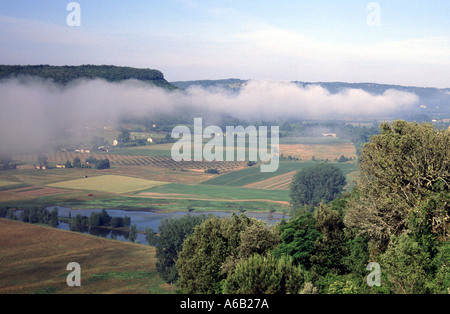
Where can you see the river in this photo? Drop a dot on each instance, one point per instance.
(144, 219)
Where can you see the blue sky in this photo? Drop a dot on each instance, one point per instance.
(248, 39)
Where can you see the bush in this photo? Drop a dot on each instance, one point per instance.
(265, 275)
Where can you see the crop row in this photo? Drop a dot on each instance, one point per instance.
(118, 160)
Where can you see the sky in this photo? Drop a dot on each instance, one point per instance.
(389, 42)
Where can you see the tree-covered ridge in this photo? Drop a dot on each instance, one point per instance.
(66, 74)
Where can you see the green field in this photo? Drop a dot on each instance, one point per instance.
(254, 174)
(220, 192)
(109, 184)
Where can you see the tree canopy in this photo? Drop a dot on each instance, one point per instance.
(316, 184)
(65, 74)
(404, 182)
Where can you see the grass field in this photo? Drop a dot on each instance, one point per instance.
(109, 184)
(211, 192)
(34, 260)
(254, 175)
(6, 183)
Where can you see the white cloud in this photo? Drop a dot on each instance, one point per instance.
(34, 111)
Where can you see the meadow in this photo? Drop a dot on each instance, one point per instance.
(108, 184)
(253, 175)
(34, 260)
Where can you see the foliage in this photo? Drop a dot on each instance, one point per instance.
(330, 245)
(258, 239)
(133, 234)
(403, 183)
(6, 162)
(40, 215)
(65, 74)
(406, 265)
(441, 266)
(298, 239)
(315, 184)
(169, 243)
(212, 171)
(200, 262)
(265, 275)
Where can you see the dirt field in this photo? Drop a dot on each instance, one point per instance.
(34, 260)
(280, 182)
(319, 151)
(31, 192)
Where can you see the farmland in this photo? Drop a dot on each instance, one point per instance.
(253, 177)
(109, 184)
(146, 177)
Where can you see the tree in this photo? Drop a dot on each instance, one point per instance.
(172, 233)
(42, 161)
(265, 275)
(406, 265)
(103, 164)
(133, 234)
(124, 137)
(126, 221)
(403, 183)
(204, 252)
(54, 218)
(68, 164)
(116, 222)
(298, 239)
(316, 184)
(258, 239)
(77, 162)
(330, 245)
(441, 265)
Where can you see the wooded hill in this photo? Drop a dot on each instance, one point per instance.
(66, 74)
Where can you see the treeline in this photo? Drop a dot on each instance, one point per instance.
(90, 162)
(389, 235)
(35, 215)
(66, 74)
(101, 219)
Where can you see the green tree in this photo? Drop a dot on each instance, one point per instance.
(54, 218)
(152, 238)
(103, 164)
(94, 219)
(265, 275)
(298, 237)
(172, 233)
(441, 265)
(68, 164)
(124, 137)
(406, 265)
(316, 184)
(403, 183)
(200, 262)
(258, 239)
(330, 245)
(132, 236)
(77, 162)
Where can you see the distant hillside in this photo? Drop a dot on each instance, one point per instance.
(66, 74)
(434, 102)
